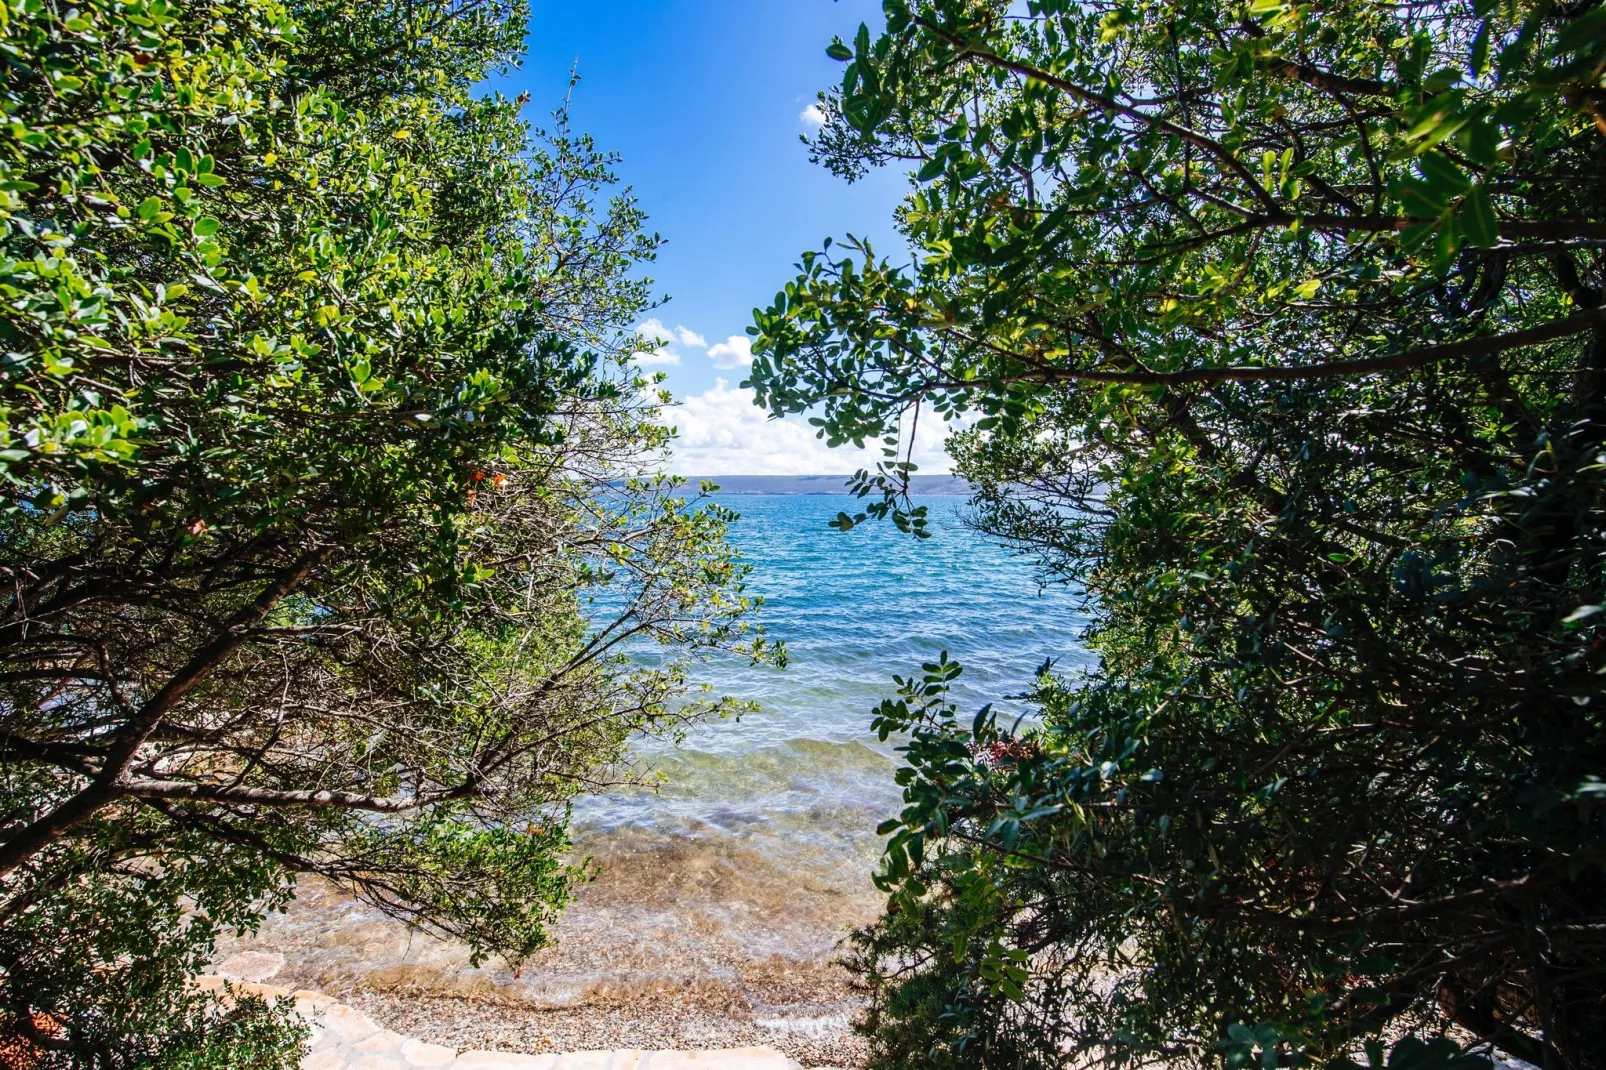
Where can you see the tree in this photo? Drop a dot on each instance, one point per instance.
(1278, 329)
(328, 536)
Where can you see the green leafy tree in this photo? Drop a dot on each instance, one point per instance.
(1278, 328)
(328, 541)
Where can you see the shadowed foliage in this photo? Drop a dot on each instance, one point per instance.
(326, 527)
(1277, 328)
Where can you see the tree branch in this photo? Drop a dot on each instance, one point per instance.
(1414, 358)
(191, 791)
(1106, 104)
(105, 787)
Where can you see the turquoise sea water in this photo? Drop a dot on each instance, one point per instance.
(734, 884)
(791, 795)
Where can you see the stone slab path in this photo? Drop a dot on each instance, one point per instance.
(346, 1039)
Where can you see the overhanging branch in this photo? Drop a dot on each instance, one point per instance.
(239, 795)
(1414, 358)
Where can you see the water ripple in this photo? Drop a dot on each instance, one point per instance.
(853, 609)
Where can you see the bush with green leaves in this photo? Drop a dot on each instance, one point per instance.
(328, 534)
(1279, 329)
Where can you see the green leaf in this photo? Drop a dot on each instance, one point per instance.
(1478, 58)
(1480, 141)
(1477, 219)
(1444, 178)
(1582, 34)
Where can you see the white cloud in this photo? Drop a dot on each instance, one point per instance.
(734, 352)
(654, 331)
(663, 339)
(723, 433)
(649, 357)
(813, 115)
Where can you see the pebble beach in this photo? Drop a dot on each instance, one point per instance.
(722, 897)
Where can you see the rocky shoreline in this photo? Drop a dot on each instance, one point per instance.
(666, 955)
(343, 1038)
(809, 1034)
(823, 1040)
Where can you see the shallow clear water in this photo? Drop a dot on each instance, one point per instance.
(803, 783)
(732, 885)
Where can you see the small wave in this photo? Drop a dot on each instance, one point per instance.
(753, 860)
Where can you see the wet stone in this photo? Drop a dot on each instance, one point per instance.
(732, 1059)
(498, 1060)
(344, 1025)
(383, 1041)
(372, 1061)
(250, 966)
(417, 1053)
(324, 1060)
(586, 1060)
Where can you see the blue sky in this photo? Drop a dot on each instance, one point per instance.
(705, 100)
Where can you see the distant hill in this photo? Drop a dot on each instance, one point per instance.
(835, 485)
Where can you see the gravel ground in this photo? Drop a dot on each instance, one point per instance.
(820, 1039)
(683, 943)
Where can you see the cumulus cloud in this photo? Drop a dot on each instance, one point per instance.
(654, 331)
(666, 343)
(813, 115)
(663, 341)
(734, 352)
(722, 433)
(649, 357)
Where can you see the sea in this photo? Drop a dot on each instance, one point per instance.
(738, 877)
(760, 839)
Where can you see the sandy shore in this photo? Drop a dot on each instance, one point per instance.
(682, 943)
(819, 1040)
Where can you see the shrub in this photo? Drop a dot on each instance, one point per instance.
(1279, 330)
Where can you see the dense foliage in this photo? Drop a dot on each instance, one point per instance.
(1279, 328)
(325, 530)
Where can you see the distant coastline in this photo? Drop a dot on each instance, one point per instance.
(832, 485)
